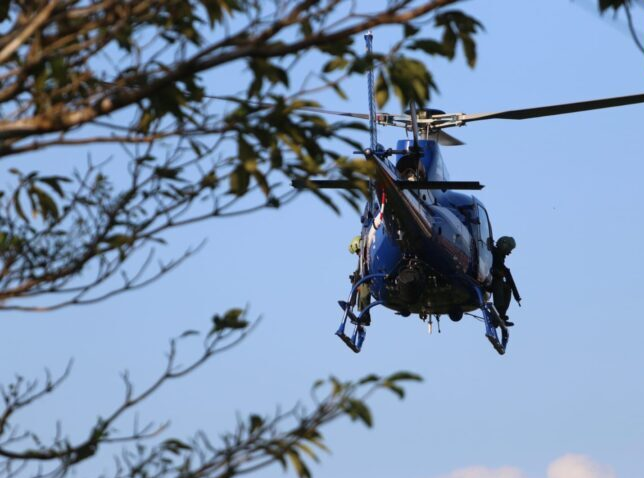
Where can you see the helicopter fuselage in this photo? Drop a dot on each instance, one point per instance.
(431, 247)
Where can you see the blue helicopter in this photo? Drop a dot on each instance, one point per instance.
(426, 248)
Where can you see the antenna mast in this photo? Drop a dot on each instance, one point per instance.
(372, 101)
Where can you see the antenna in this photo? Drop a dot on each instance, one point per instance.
(372, 102)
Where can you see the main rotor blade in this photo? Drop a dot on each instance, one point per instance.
(313, 109)
(561, 109)
(336, 113)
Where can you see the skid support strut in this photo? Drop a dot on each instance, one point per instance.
(359, 333)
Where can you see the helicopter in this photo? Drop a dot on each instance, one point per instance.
(425, 246)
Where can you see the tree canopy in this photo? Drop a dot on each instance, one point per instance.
(142, 75)
(79, 73)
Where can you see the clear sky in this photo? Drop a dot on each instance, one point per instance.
(567, 398)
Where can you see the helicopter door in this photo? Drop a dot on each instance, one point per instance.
(483, 241)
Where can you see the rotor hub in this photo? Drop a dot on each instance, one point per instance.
(424, 113)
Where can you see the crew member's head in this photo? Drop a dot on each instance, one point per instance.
(506, 244)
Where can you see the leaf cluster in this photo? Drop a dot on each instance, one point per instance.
(615, 5)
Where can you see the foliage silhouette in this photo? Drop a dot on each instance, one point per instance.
(77, 74)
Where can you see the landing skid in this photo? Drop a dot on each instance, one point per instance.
(492, 322)
(490, 316)
(359, 321)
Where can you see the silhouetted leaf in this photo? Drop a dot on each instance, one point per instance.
(339, 91)
(429, 46)
(46, 205)
(255, 423)
(230, 320)
(239, 181)
(335, 64)
(189, 333)
(336, 386)
(369, 379)
(398, 390)
(357, 410)
(118, 240)
(298, 464)
(410, 30)
(404, 376)
(175, 446)
(54, 183)
(307, 451)
(614, 4)
(18, 205)
(168, 173)
(209, 180)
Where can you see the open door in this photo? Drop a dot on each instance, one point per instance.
(483, 236)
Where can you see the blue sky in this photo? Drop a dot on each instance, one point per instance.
(565, 399)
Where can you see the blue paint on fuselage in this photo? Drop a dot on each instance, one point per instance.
(443, 244)
(384, 255)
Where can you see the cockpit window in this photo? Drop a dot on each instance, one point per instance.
(486, 229)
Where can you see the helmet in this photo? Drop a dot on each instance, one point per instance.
(354, 245)
(506, 244)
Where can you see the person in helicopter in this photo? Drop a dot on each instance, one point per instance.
(364, 296)
(503, 286)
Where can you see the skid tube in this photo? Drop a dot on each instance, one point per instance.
(492, 322)
(359, 333)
